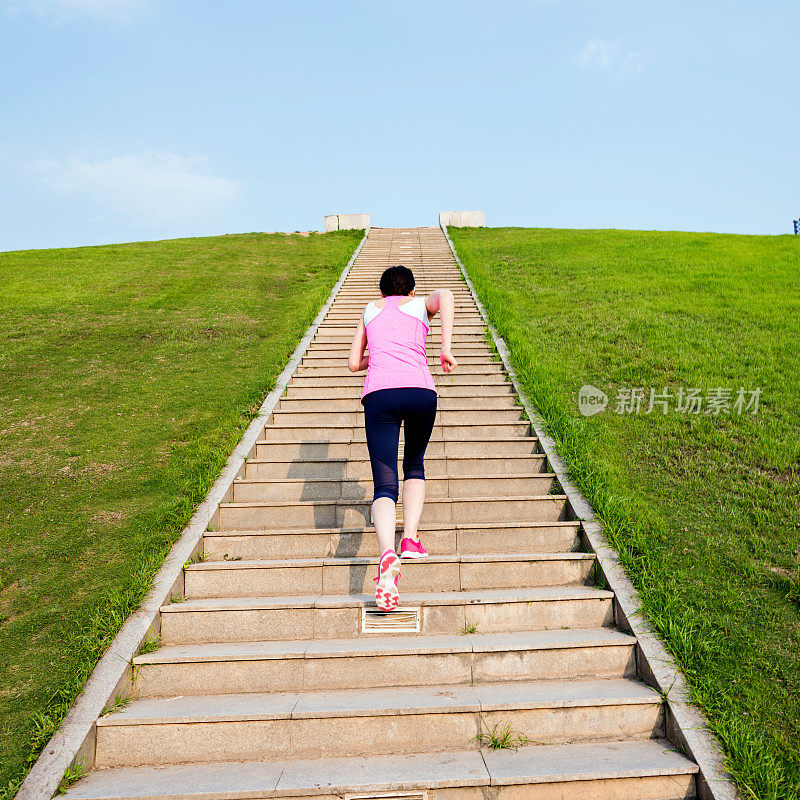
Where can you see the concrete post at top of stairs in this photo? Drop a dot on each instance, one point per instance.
(346, 222)
(462, 219)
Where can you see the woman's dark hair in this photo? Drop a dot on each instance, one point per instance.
(397, 280)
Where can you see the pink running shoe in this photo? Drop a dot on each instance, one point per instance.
(387, 595)
(411, 548)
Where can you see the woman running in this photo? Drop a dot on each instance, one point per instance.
(399, 388)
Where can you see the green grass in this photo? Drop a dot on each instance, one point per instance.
(469, 627)
(73, 774)
(501, 736)
(149, 645)
(704, 510)
(117, 704)
(129, 373)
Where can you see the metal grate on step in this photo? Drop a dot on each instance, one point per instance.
(421, 795)
(404, 619)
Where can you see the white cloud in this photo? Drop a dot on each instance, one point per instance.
(600, 53)
(610, 55)
(148, 187)
(60, 10)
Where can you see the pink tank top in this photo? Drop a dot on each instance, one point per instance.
(397, 356)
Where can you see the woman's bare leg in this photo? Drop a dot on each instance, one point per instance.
(384, 517)
(413, 500)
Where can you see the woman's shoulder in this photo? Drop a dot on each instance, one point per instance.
(370, 310)
(416, 307)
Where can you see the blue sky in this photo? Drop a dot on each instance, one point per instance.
(123, 120)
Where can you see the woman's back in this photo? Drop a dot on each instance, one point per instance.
(396, 335)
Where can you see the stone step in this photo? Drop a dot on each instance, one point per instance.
(357, 298)
(254, 489)
(433, 339)
(465, 313)
(347, 513)
(466, 328)
(341, 337)
(308, 419)
(371, 292)
(442, 538)
(464, 310)
(649, 769)
(353, 575)
(325, 357)
(442, 431)
(363, 291)
(477, 359)
(364, 284)
(360, 468)
(453, 392)
(353, 307)
(348, 722)
(383, 661)
(423, 256)
(486, 367)
(325, 338)
(463, 318)
(433, 275)
(322, 361)
(206, 619)
(366, 290)
(437, 274)
(351, 319)
(435, 270)
(466, 341)
(356, 379)
(357, 308)
(461, 384)
(430, 276)
(461, 347)
(340, 353)
(342, 445)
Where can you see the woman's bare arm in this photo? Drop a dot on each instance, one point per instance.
(358, 360)
(443, 300)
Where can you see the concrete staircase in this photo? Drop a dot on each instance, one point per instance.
(277, 676)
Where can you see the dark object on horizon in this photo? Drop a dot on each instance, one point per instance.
(796, 225)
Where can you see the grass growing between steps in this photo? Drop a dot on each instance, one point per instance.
(129, 374)
(703, 509)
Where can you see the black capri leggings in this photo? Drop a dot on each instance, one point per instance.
(384, 410)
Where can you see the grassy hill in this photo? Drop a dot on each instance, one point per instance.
(704, 508)
(129, 372)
